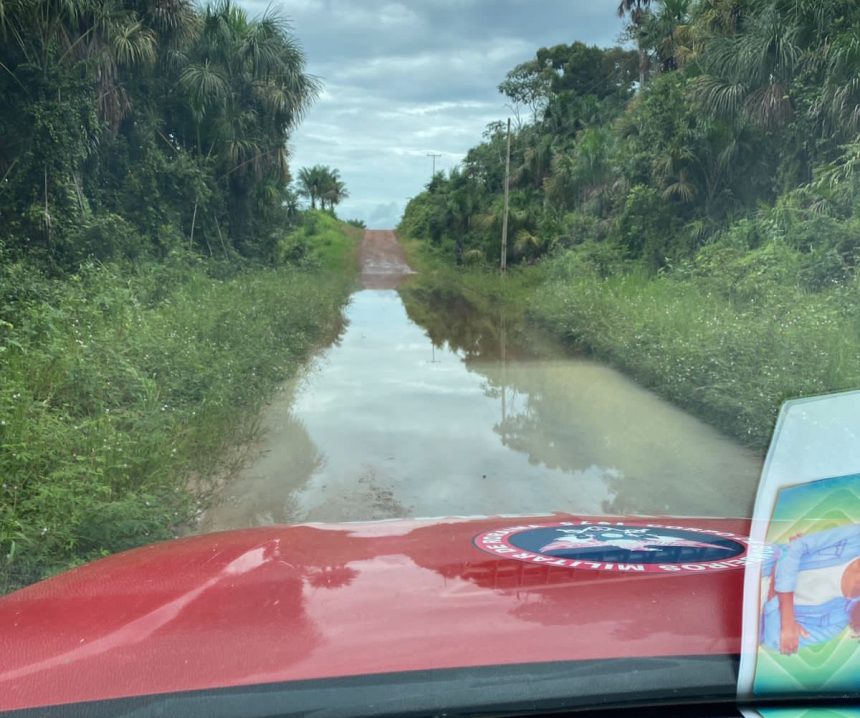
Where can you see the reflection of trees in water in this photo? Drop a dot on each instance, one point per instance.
(533, 419)
(551, 430)
(261, 501)
(331, 576)
(450, 318)
(488, 341)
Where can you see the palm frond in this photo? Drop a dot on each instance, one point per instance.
(133, 44)
(719, 97)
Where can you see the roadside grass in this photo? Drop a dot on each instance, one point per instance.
(482, 286)
(731, 363)
(123, 389)
(729, 354)
(322, 242)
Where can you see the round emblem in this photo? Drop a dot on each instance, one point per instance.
(621, 547)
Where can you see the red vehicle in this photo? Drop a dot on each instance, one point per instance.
(547, 614)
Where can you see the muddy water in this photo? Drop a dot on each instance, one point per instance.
(385, 423)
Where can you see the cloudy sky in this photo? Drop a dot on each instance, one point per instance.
(403, 79)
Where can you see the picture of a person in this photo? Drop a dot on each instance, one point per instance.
(812, 589)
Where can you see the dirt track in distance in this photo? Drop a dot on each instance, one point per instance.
(383, 264)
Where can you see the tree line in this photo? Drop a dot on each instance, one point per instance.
(136, 127)
(732, 126)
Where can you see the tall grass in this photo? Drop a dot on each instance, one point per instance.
(729, 351)
(122, 390)
(731, 362)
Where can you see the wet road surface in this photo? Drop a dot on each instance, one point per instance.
(386, 424)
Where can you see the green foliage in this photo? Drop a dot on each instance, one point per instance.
(142, 154)
(122, 388)
(646, 226)
(558, 74)
(322, 184)
(702, 232)
(741, 105)
(730, 345)
(321, 242)
(593, 259)
(120, 111)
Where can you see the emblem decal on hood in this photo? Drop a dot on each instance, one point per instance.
(622, 547)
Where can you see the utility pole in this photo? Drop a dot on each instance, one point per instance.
(434, 156)
(503, 264)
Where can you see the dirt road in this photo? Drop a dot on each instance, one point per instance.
(383, 264)
(384, 423)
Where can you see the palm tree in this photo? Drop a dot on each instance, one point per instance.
(311, 181)
(582, 173)
(637, 11)
(246, 90)
(667, 32)
(747, 74)
(334, 190)
(749, 70)
(101, 35)
(324, 184)
(74, 51)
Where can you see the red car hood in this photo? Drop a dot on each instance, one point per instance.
(287, 604)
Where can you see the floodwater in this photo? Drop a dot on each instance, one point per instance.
(485, 418)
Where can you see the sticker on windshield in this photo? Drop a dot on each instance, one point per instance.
(624, 547)
(801, 618)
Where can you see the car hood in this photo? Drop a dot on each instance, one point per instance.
(285, 604)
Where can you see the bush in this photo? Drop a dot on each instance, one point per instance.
(746, 276)
(648, 227)
(592, 259)
(320, 241)
(118, 384)
(720, 345)
(105, 237)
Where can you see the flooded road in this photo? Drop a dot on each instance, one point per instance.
(385, 423)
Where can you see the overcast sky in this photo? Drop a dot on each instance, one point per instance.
(403, 79)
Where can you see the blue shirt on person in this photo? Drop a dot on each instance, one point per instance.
(822, 549)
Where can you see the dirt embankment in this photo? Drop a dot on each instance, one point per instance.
(383, 264)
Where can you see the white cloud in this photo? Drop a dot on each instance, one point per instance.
(403, 79)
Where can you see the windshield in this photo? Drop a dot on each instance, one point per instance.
(429, 264)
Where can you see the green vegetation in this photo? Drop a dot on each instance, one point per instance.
(129, 127)
(321, 241)
(729, 354)
(125, 387)
(157, 278)
(480, 286)
(324, 184)
(692, 207)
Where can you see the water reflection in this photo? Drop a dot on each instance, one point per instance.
(569, 412)
(446, 410)
(259, 496)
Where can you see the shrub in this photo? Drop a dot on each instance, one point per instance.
(117, 384)
(647, 226)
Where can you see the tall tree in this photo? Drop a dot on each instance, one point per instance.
(247, 91)
(310, 182)
(333, 189)
(637, 11)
